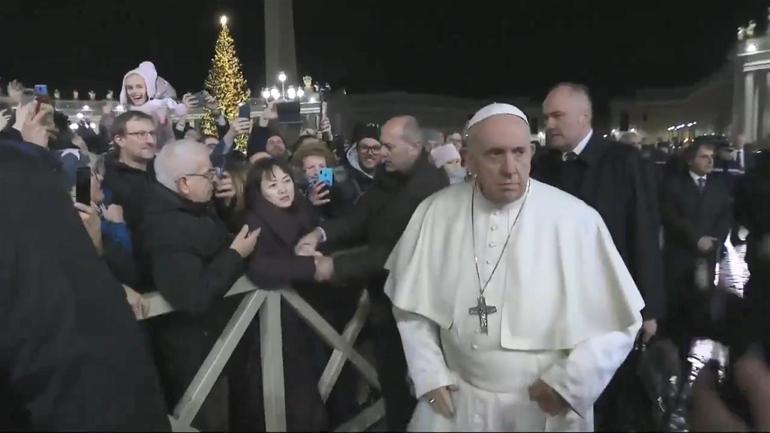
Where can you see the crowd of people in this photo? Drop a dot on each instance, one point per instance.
(586, 284)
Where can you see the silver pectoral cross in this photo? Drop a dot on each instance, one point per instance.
(483, 311)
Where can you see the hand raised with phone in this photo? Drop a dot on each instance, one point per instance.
(92, 223)
(224, 189)
(320, 194)
(190, 101)
(245, 242)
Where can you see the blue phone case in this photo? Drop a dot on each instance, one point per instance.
(326, 176)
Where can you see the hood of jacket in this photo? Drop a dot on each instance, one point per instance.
(147, 71)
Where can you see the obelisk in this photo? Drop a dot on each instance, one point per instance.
(280, 52)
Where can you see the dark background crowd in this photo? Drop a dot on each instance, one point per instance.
(181, 211)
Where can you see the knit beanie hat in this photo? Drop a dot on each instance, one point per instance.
(366, 130)
(443, 154)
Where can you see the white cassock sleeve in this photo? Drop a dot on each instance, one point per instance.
(582, 376)
(422, 348)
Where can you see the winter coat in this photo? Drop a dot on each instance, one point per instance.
(129, 187)
(273, 265)
(192, 266)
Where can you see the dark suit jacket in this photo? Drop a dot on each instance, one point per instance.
(379, 219)
(614, 180)
(689, 215)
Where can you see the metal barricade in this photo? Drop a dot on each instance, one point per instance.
(268, 305)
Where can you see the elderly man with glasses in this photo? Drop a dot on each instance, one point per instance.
(193, 261)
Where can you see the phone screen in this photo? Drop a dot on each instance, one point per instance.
(244, 111)
(41, 89)
(83, 185)
(201, 98)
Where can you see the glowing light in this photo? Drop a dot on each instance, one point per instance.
(275, 93)
(74, 126)
(751, 48)
(92, 125)
(300, 93)
(312, 99)
(223, 20)
(291, 92)
(282, 77)
(266, 93)
(80, 116)
(86, 108)
(120, 108)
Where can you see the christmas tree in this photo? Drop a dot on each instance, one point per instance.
(226, 83)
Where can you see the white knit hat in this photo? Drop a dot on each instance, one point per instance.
(147, 71)
(443, 154)
(495, 109)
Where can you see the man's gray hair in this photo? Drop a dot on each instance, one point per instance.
(412, 131)
(178, 159)
(580, 89)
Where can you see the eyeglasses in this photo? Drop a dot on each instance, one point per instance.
(142, 134)
(369, 149)
(209, 175)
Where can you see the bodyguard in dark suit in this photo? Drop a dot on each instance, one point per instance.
(613, 179)
(378, 220)
(696, 210)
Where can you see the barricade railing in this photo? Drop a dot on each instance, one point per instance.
(268, 304)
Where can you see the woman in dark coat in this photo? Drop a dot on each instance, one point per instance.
(284, 216)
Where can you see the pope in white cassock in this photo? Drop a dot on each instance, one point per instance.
(513, 304)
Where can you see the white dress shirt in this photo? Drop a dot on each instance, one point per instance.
(580, 147)
(695, 177)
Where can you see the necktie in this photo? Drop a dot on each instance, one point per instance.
(569, 157)
(701, 184)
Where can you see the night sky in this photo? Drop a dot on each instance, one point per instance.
(463, 48)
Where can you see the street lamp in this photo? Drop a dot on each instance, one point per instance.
(265, 93)
(275, 93)
(291, 93)
(282, 79)
(300, 92)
